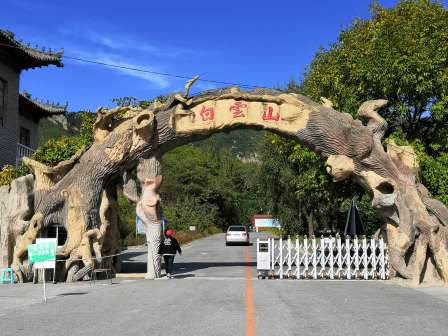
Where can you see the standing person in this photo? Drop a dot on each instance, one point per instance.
(168, 249)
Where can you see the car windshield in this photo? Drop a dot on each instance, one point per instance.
(236, 228)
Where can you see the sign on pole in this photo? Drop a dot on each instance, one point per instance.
(139, 226)
(42, 251)
(43, 254)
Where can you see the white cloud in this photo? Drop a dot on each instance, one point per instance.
(157, 81)
(130, 43)
(122, 50)
(127, 43)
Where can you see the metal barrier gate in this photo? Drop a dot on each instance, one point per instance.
(329, 258)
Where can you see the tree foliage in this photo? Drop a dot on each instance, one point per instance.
(55, 150)
(400, 54)
(207, 186)
(301, 193)
(435, 176)
(63, 148)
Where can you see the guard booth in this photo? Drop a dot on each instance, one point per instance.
(263, 257)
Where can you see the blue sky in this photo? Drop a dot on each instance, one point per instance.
(262, 43)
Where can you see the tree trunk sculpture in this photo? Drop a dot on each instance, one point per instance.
(416, 224)
(148, 208)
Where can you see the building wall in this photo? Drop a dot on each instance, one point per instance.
(31, 124)
(9, 130)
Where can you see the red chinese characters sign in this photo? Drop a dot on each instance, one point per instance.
(239, 109)
(269, 114)
(207, 113)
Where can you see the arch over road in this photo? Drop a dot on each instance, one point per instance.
(74, 192)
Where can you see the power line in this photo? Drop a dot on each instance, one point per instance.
(118, 66)
(156, 72)
(123, 67)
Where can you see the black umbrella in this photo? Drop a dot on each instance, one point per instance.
(354, 225)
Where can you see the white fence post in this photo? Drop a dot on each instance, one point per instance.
(339, 257)
(323, 269)
(365, 261)
(297, 259)
(348, 259)
(330, 248)
(373, 258)
(289, 271)
(305, 251)
(356, 248)
(313, 241)
(281, 258)
(382, 260)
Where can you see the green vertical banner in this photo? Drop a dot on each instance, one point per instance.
(42, 252)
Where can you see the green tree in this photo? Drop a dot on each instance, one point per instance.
(399, 54)
(56, 150)
(298, 187)
(220, 186)
(63, 148)
(435, 176)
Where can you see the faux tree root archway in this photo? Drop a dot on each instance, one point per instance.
(79, 194)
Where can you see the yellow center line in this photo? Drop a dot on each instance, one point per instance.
(250, 311)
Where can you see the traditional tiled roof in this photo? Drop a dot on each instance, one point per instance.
(25, 56)
(40, 109)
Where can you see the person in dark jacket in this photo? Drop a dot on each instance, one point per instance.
(168, 248)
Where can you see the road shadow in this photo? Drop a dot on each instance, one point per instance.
(130, 266)
(183, 276)
(73, 294)
(133, 267)
(182, 267)
(188, 267)
(131, 254)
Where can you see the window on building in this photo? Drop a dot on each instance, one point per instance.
(25, 136)
(2, 101)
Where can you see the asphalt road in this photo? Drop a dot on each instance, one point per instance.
(215, 292)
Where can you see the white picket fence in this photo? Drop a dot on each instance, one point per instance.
(331, 258)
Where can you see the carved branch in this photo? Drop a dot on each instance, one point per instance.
(104, 123)
(340, 167)
(130, 188)
(143, 129)
(404, 158)
(434, 206)
(46, 176)
(326, 102)
(368, 110)
(188, 85)
(102, 127)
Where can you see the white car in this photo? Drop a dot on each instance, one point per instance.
(237, 234)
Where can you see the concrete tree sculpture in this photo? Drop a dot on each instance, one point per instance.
(148, 208)
(415, 224)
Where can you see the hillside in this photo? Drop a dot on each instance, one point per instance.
(58, 126)
(243, 144)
